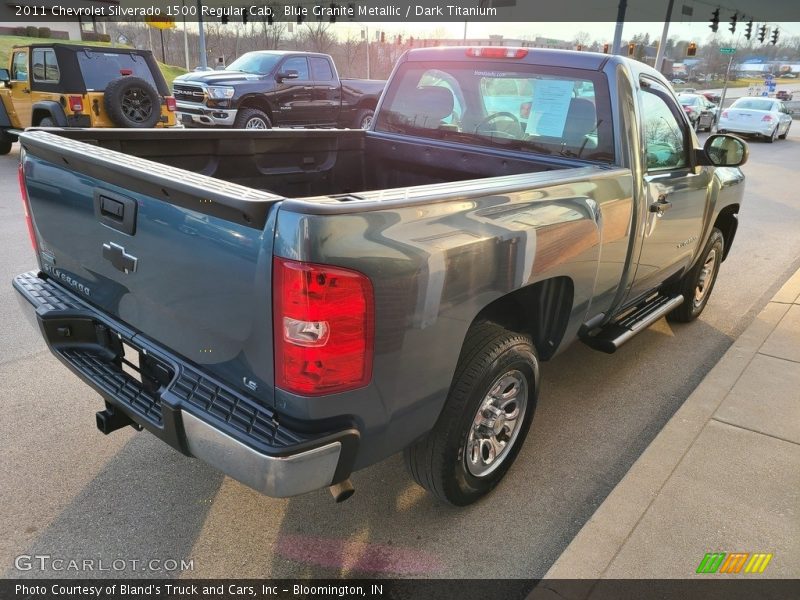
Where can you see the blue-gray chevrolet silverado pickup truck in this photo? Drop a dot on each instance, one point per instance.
(293, 305)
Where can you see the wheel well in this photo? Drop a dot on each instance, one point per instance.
(370, 103)
(541, 310)
(727, 222)
(38, 115)
(259, 103)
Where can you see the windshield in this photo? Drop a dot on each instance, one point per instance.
(752, 104)
(529, 108)
(257, 63)
(100, 68)
(688, 101)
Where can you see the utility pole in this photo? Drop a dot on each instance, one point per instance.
(202, 32)
(185, 38)
(724, 88)
(663, 43)
(623, 6)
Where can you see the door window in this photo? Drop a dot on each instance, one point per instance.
(19, 66)
(45, 67)
(321, 69)
(299, 64)
(665, 138)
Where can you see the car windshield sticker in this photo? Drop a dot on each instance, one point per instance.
(551, 98)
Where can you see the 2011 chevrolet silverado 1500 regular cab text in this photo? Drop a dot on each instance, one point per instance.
(294, 305)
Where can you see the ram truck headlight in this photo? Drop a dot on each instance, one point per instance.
(220, 92)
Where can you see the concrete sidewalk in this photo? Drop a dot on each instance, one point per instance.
(722, 476)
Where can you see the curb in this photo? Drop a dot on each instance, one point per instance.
(599, 541)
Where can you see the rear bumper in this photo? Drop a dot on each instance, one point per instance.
(756, 128)
(182, 405)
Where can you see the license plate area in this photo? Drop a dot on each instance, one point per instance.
(130, 362)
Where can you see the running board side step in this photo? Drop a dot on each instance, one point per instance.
(611, 336)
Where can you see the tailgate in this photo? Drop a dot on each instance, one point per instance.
(182, 258)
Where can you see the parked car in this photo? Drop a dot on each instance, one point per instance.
(700, 111)
(784, 95)
(64, 85)
(762, 117)
(260, 90)
(292, 305)
(678, 81)
(712, 97)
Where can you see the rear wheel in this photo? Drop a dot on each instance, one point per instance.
(697, 285)
(485, 419)
(5, 143)
(786, 133)
(364, 118)
(252, 118)
(46, 122)
(773, 136)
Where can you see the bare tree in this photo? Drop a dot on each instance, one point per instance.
(316, 37)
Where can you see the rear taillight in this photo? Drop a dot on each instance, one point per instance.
(322, 328)
(767, 118)
(26, 206)
(725, 113)
(76, 103)
(688, 110)
(171, 104)
(496, 52)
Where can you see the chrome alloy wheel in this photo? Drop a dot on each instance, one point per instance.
(255, 123)
(705, 278)
(496, 424)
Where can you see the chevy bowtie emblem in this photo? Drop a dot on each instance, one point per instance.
(117, 256)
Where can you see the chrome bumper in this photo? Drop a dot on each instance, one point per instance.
(200, 115)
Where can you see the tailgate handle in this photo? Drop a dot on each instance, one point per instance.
(115, 211)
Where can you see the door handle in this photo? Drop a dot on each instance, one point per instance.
(661, 206)
(26, 90)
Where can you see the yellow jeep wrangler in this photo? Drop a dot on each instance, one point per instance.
(62, 85)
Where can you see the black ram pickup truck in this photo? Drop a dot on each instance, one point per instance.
(266, 89)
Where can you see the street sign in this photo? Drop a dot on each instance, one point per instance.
(728, 50)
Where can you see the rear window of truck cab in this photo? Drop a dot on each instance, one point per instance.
(100, 68)
(544, 110)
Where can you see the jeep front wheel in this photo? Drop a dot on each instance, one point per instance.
(5, 143)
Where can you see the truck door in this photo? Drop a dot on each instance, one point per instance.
(293, 96)
(676, 192)
(327, 94)
(21, 88)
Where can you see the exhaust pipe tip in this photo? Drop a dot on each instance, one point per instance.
(342, 491)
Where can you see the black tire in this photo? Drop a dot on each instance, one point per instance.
(363, 118)
(5, 143)
(46, 122)
(250, 118)
(131, 102)
(785, 135)
(697, 280)
(773, 136)
(438, 461)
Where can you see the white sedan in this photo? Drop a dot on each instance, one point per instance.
(764, 117)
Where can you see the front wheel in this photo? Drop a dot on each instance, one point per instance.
(485, 419)
(252, 118)
(697, 285)
(5, 143)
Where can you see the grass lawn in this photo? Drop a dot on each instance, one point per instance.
(9, 41)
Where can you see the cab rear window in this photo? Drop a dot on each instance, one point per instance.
(528, 108)
(100, 68)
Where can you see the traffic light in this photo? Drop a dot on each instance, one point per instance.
(691, 49)
(774, 36)
(579, 47)
(383, 37)
(245, 16)
(605, 48)
(734, 18)
(748, 31)
(270, 19)
(299, 15)
(714, 21)
(762, 33)
(333, 13)
(631, 49)
(224, 19)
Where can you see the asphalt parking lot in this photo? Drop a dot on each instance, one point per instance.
(68, 491)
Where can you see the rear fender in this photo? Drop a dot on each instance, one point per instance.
(49, 108)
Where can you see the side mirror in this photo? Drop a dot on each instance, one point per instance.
(723, 150)
(4, 76)
(290, 74)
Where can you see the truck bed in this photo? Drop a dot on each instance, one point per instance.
(297, 163)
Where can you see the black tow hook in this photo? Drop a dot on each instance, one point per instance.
(111, 419)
